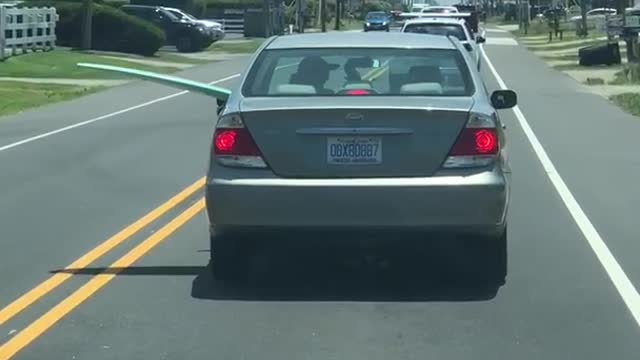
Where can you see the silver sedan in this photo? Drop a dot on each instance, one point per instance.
(359, 131)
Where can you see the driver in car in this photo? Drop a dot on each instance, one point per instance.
(314, 71)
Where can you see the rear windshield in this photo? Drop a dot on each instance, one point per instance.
(376, 15)
(438, 29)
(348, 72)
(439, 10)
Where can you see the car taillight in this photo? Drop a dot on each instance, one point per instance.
(477, 145)
(233, 145)
(235, 142)
(357, 92)
(475, 142)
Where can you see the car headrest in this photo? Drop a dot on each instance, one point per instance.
(294, 89)
(425, 73)
(358, 85)
(424, 89)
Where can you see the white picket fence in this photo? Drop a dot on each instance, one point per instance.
(23, 29)
(231, 26)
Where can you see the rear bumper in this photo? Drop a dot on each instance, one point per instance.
(475, 204)
(376, 27)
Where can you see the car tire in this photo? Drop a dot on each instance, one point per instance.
(229, 260)
(489, 258)
(496, 259)
(185, 44)
(387, 30)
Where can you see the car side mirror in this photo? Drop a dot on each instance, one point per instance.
(221, 104)
(504, 99)
(480, 40)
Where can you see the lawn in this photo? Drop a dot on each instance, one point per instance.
(567, 57)
(175, 58)
(62, 64)
(236, 46)
(629, 102)
(349, 24)
(19, 96)
(540, 31)
(559, 46)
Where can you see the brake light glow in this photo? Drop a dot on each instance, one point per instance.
(235, 142)
(485, 141)
(475, 141)
(357, 92)
(476, 146)
(233, 145)
(225, 140)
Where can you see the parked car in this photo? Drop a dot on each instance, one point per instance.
(185, 35)
(215, 28)
(440, 9)
(457, 28)
(595, 14)
(376, 20)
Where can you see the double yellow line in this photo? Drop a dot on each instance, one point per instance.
(44, 322)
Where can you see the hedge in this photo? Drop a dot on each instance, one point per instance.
(112, 29)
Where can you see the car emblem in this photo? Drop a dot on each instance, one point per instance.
(354, 116)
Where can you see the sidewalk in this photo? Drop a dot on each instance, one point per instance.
(62, 81)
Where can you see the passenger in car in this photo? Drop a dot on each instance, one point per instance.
(314, 71)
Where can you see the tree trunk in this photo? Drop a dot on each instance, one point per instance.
(583, 21)
(338, 14)
(87, 24)
(323, 15)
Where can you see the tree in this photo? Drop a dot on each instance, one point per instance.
(338, 14)
(87, 24)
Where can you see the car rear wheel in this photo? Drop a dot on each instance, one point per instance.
(229, 257)
(185, 44)
(490, 263)
(495, 257)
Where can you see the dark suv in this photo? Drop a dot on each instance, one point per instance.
(187, 36)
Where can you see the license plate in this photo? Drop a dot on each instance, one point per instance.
(354, 150)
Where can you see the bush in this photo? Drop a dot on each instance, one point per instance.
(112, 29)
(375, 6)
(234, 4)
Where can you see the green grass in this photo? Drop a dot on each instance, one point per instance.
(629, 102)
(19, 96)
(177, 59)
(629, 74)
(569, 67)
(568, 57)
(568, 35)
(349, 24)
(239, 47)
(557, 47)
(62, 64)
(499, 20)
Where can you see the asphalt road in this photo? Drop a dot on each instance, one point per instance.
(65, 194)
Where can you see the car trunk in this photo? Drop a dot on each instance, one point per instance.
(355, 136)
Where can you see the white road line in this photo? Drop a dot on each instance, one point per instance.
(617, 275)
(103, 117)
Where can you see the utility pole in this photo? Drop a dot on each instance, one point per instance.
(323, 15)
(87, 11)
(266, 13)
(338, 14)
(300, 15)
(583, 12)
